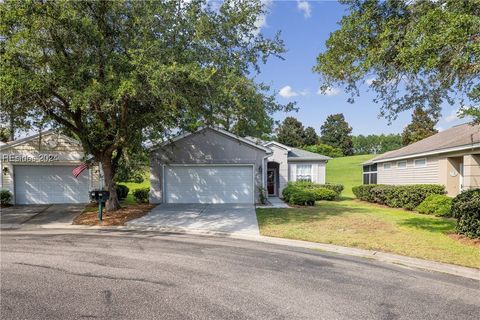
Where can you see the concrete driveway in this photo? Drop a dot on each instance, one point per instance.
(225, 218)
(42, 214)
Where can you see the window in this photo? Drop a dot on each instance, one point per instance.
(370, 174)
(420, 162)
(387, 166)
(401, 164)
(304, 172)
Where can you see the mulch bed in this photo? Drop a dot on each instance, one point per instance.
(465, 240)
(113, 218)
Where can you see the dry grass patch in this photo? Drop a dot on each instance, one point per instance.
(112, 218)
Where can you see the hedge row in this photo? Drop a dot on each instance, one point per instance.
(405, 196)
(306, 193)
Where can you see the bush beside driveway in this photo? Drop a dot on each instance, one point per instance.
(354, 223)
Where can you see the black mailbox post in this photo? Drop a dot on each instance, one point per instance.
(100, 197)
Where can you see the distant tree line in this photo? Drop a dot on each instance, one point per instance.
(336, 139)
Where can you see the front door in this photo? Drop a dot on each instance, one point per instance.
(271, 182)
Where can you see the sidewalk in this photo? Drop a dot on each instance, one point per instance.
(391, 258)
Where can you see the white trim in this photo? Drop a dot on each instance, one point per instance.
(304, 164)
(420, 166)
(224, 132)
(387, 163)
(402, 168)
(278, 144)
(428, 153)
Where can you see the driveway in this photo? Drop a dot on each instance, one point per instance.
(35, 215)
(83, 274)
(225, 218)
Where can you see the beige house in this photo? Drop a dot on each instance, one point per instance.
(38, 170)
(450, 158)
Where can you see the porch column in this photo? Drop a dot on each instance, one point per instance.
(471, 171)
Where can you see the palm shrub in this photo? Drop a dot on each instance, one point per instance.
(437, 204)
(466, 208)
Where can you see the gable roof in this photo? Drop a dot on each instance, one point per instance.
(296, 154)
(35, 136)
(461, 137)
(278, 144)
(221, 131)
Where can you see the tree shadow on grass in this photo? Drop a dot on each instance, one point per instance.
(436, 226)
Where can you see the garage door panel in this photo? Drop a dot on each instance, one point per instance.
(49, 184)
(209, 184)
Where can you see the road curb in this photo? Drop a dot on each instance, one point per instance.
(391, 258)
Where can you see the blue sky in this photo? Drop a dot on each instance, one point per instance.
(305, 27)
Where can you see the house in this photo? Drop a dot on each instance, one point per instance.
(212, 165)
(450, 158)
(38, 170)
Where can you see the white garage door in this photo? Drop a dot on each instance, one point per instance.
(209, 184)
(50, 184)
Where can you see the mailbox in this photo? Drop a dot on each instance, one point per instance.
(99, 196)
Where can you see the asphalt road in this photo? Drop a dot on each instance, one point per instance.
(132, 275)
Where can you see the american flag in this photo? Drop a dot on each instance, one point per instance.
(78, 170)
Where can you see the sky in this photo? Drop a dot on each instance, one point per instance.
(305, 26)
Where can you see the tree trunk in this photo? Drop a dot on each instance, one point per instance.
(108, 174)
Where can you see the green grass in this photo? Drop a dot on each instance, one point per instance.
(357, 224)
(133, 186)
(347, 171)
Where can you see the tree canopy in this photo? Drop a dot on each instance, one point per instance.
(291, 132)
(421, 127)
(411, 54)
(376, 144)
(336, 132)
(116, 73)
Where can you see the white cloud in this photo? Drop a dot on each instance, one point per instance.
(370, 81)
(304, 6)
(287, 92)
(453, 116)
(329, 92)
(304, 92)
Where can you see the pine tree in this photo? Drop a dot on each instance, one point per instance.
(421, 127)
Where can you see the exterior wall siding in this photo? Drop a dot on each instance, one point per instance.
(411, 174)
(204, 147)
(471, 171)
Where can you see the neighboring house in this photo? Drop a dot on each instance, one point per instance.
(38, 170)
(215, 166)
(450, 158)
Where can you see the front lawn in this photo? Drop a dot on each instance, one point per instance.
(353, 223)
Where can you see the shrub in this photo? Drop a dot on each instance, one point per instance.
(381, 194)
(439, 205)
(141, 195)
(466, 208)
(262, 196)
(321, 191)
(323, 194)
(5, 198)
(304, 197)
(338, 188)
(122, 191)
(404, 196)
(363, 192)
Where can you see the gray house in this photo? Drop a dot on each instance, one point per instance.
(215, 166)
